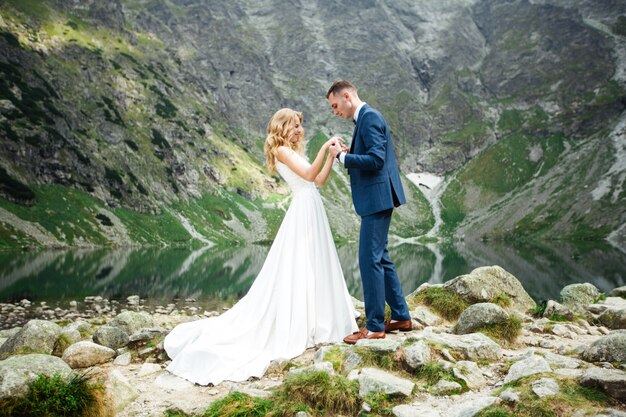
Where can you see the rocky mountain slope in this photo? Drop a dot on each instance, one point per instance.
(136, 121)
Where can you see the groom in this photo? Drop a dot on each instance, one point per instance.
(376, 190)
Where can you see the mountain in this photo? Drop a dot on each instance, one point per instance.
(142, 122)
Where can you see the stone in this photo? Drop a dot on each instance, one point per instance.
(417, 354)
(473, 346)
(37, 336)
(17, 372)
(509, 395)
(545, 387)
(613, 319)
(379, 345)
(120, 391)
(82, 326)
(578, 296)
(425, 316)
(415, 410)
(470, 373)
(123, 360)
(529, 366)
(618, 292)
(373, 380)
(486, 283)
(131, 321)
(479, 315)
(471, 407)
(611, 381)
(111, 337)
(444, 387)
(253, 392)
(85, 354)
(609, 348)
(352, 362)
(560, 361)
(149, 369)
(316, 367)
(147, 334)
(553, 307)
(320, 355)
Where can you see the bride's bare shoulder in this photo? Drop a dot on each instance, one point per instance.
(283, 153)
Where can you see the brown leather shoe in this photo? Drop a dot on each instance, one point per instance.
(402, 325)
(363, 334)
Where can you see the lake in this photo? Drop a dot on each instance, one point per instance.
(219, 277)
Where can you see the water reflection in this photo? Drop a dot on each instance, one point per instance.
(163, 274)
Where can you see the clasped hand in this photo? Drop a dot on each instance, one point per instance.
(336, 145)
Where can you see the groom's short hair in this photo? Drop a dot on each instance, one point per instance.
(339, 86)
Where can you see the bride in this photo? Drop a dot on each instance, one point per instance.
(299, 298)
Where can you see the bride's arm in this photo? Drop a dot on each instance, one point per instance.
(321, 178)
(298, 165)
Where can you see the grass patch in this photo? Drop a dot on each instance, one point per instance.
(571, 398)
(336, 356)
(387, 361)
(315, 392)
(502, 300)
(446, 303)
(56, 397)
(508, 330)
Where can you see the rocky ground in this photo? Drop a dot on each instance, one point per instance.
(576, 341)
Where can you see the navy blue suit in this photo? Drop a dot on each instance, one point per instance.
(376, 190)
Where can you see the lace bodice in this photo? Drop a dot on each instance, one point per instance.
(295, 182)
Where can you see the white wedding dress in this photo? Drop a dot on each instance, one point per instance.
(298, 300)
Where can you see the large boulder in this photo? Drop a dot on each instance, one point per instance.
(131, 321)
(613, 319)
(111, 337)
(611, 381)
(473, 346)
(609, 348)
(528, 366)
(487, 283)
(478, 316)
(374, 380)
(17, 372)
(578, 296)
(85, 354)
(37, 336)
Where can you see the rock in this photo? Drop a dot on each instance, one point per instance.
(373, 380)
(37, 336)
(510, 396)
(320, 355)
(111, 337)
(415, 410)
(486, 283)
(470, 407)
(560, 361)
(19, 371)
(561, 331)
(147, 334)
(379, 345)
(611, 381)
(529, 366)
(119, 390)
(132, 322)
(479, 315)
(552, 308)
(417, 354)
(253, 392)
(473, 346)
(81, 326)
(149, 369)
(352, 362)
(425, 316)
(85, 354)
(545, 387)
(613, 319)
(578, 296)
(123, 360)
(618, 292)
(470, 373)
(316, 367)
(68, 337)
(444, 387)
(609, 348)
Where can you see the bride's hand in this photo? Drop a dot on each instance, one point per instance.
(333, 141)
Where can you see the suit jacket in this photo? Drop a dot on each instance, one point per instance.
(372, 165)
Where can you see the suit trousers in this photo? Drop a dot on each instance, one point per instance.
(378, 273)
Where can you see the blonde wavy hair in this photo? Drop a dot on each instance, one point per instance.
(279, 128)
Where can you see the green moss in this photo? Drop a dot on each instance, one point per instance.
(336, 356)
(238, 404)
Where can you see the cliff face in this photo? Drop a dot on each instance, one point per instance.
(160, 108)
